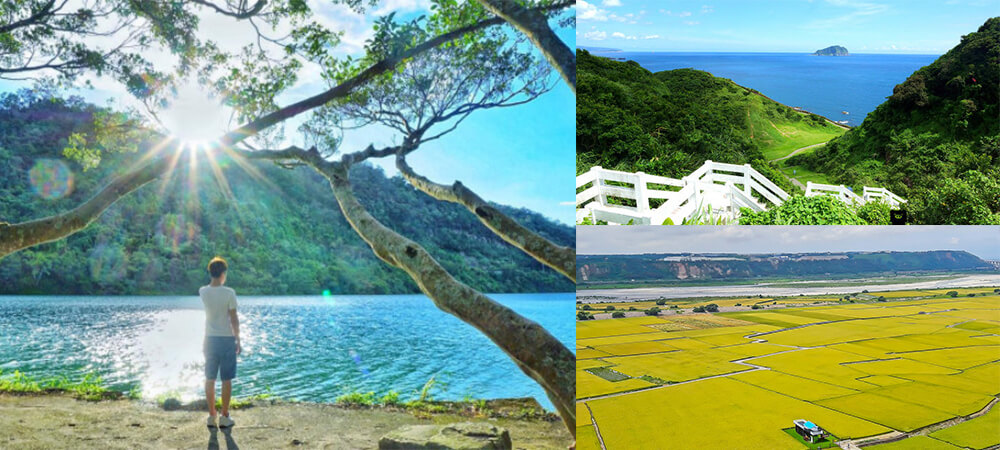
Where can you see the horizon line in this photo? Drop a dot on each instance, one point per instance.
(726, 51)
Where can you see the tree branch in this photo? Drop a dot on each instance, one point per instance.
(535, 26)
(27, 234)
(562, 259)
(239, 15)
(535, 351)
(350, 84)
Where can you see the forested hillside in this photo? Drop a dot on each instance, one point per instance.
(673, 267)
(668, 123)
(935, 141)
(285, 235)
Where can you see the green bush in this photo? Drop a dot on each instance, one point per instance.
(654, 311)
(617, 315)
(802, 210)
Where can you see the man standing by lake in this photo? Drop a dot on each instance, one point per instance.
(222, 340)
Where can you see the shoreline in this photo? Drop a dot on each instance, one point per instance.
(58, 420)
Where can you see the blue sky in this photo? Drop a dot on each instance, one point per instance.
(863, 26)
(522, 156)
(982, 241)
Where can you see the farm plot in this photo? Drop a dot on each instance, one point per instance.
(590, 385)
(892, 413)
(953, 401)
(793, 386)
(977, 433)
(632, 325)
(679, 366)
(759, 414)
(915, 443)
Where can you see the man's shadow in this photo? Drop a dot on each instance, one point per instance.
(213, 438)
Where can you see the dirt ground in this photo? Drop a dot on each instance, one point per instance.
(59, 421)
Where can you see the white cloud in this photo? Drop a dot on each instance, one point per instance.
(859, 11)
(691, 22)
(388, 6)
(705, 9)
(611, 3)
(586, 11)
(621, 35)
(684, 14)
(651, 36)
(596, 35)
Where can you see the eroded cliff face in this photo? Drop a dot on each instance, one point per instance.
(627, 268)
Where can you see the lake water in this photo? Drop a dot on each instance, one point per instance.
(311, 348)
(775, 291)
(824, 85)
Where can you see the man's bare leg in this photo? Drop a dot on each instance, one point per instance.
(227, 392)
(210, 396)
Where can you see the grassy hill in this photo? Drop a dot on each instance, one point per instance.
(935, 141)
(668, 123)
(284, 236)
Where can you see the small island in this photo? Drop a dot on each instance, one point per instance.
(833, 50)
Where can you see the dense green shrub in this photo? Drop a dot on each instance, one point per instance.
(802, 210)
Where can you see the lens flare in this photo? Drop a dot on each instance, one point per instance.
(357, 360)
(51, 179)
(177, 230)
(108, 263)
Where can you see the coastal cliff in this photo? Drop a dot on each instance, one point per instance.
(833, 50)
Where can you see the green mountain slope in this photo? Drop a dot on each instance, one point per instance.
(668, 123)
(285, 236)
(935, 141)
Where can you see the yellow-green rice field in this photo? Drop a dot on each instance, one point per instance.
(859, 370)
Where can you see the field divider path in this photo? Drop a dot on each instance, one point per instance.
(597, 430)
(923, 431)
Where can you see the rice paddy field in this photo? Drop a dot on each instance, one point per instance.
(924, 366)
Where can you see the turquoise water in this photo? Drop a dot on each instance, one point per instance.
(309, 348)
(825, 85)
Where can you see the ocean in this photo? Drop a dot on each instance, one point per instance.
(824, 85)
(311, 348)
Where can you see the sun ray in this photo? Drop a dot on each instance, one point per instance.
(193, 202)
(220, 178)
(170, 170)
(249, 168)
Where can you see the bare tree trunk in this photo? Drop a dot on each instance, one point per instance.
(562, 259)
(535, 351)
(535, 26)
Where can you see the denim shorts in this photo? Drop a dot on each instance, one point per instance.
(220, 357)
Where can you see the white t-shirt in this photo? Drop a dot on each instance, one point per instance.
(218, 301)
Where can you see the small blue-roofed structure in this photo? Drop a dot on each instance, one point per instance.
(808, 430)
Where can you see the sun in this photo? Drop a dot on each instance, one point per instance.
(194, 117)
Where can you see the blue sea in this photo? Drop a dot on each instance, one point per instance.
(312, 348)
(824, 85)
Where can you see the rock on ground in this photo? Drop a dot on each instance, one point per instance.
(457, 436)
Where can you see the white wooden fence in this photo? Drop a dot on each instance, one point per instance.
(715, 190)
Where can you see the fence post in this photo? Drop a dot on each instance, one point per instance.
(599, 184)
(809, 187)
(710, 173)
(641, 201)
(746, 179)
